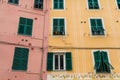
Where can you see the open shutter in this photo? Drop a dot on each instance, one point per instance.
(97, 58)
(68, 61)
(50, 61)
(105, 60)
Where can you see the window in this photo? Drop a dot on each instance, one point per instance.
(118, 4)
(93, 4)
(38, 4)
(97, 27)
(58, 26)
(25, 26)
(20, 60)
(102, 64)
(14, 1)
(58, 4)
(59, 61)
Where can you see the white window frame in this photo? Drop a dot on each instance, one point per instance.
(52, 27)
(58, 9)
(93, 9)
(102, 24)
(94, 60)
(59, 53)
(117, 5)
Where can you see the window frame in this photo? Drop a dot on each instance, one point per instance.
(59, 53)
(38, 8)
(91, 27)
(93, 9)
(64, 27)
(58, 9)
(93, 61)
(117, 5)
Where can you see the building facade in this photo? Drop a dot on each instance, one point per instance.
(23, 39)
(84, 40)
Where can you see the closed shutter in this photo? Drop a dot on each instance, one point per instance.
(50, 61)
(68, 61)
(97, 58)
(38, 4)
(61, 4)
(20, 60)
(106, 60)
(25, 26)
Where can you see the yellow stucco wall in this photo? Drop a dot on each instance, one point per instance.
(78, 34)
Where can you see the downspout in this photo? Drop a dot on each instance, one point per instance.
(43, 47)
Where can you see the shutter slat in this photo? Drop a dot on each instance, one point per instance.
(97, 58)
(20, 60)
(68, 61)
(50, 61)
(106, 60)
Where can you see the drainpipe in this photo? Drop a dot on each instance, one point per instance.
(43, 47)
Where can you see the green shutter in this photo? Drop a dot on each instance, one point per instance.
(97, 58)
(25, 26)
(20, 60)
(50, 61)
(106, 60)
(68, 61)
(38, 4)
(58, 4)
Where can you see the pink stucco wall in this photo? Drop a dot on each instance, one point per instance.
(9, 39)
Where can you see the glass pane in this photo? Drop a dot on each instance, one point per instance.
(56, 61)
(61, 62)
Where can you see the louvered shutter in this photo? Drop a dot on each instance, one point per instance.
(97, 58)
(20, 59)
(50, 61)
(106, 60)
(68, 61)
